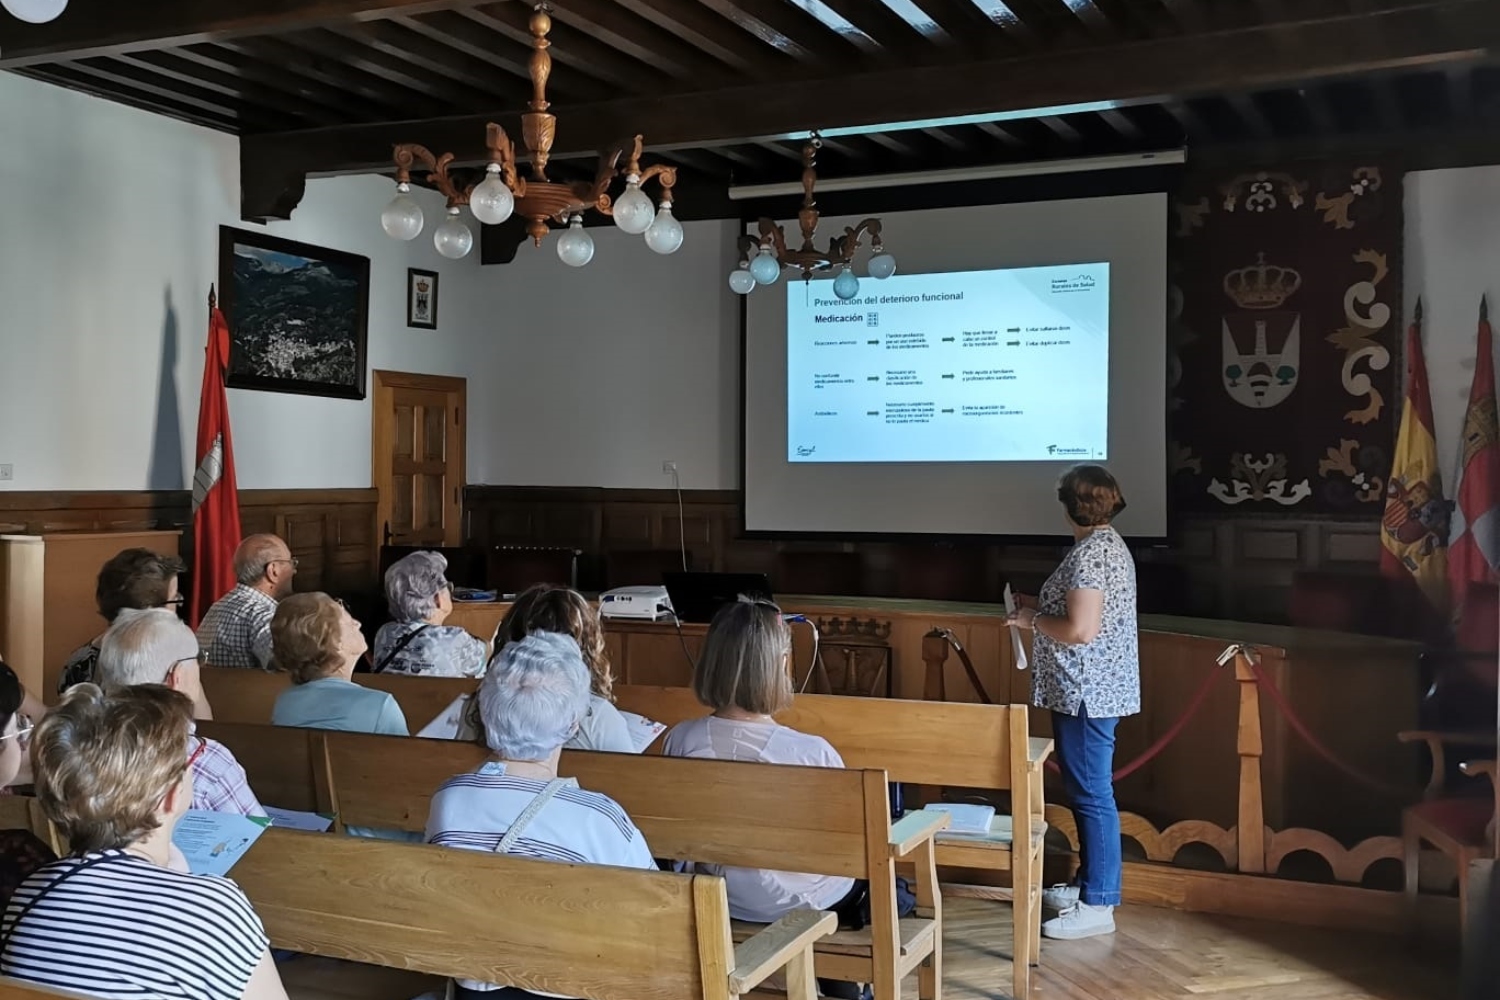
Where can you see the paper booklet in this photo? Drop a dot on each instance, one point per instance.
(291, 819)
(1016, 646)
(212, 842)
(451, 725)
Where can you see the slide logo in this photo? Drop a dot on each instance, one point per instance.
(806, 450)
(1061, 452)
(1077, 283)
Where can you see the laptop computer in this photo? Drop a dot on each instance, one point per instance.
(696, 597)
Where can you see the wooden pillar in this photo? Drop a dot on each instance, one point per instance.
(1251, 823)
(935, 655)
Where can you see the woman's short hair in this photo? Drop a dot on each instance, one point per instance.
(104, 762)
(743, 663)
(135, 578)
(413, 583)
(1090, 495)
(549, 608)
(534, 695)
(306, 634)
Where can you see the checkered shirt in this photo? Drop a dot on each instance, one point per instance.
(236, 631)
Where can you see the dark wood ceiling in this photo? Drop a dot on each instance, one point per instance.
(727, 87)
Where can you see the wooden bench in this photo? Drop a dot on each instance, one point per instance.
(577, 930)
(932, 743)
(820, 820)
(952, 744)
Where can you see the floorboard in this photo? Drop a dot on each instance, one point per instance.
(1157, 954)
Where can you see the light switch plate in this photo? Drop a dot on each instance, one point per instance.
(7, 473)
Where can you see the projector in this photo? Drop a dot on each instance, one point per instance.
(645, 603)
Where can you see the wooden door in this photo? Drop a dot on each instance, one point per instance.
(417, 458)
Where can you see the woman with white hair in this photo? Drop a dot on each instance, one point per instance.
(530, 703)
(416, 641)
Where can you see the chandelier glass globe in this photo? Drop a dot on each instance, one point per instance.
(402, 218)
(765, 268)
(846, 285)
(453, 239)
(35, 11)
(741, 281)
(632, 210)
(575, 247)
(665, 233)
(882, 265)
(491, 201)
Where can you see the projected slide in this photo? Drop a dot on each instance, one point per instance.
(973, 366)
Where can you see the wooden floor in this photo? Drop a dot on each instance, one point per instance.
(1156, 955)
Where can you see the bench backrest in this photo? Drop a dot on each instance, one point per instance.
(922, 742)
(826, 821)
(249, 695)
(23, 812)
(575, 930)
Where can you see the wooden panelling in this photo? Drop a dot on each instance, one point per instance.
(331, 532)
(1237, 568)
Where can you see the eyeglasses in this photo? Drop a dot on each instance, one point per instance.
(200, 658)
(197, 750)
(22, 732)
(293, 561)
(174, 602)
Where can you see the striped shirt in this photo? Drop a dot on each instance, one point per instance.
(236, 631)
(121, 927)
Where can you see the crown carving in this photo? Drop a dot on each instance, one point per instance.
(422, 285)
(1261, 285)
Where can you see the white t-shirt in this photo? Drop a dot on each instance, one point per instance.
(473, 812)
(603, 728)
(117, 926)
(755, 894)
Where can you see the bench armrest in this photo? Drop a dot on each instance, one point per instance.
(1437, 741)
(1474, 768)
(1038, 749)
(772, 948)
(908, 832)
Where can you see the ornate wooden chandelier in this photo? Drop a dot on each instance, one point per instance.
(536, 199)
(762, 259)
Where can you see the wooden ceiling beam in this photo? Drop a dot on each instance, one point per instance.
(171, 66)
(219, 59)
(503, 78)
(1002, 14)
(1058, 83)
(586, 62)
(613, 29)
(706, 31)
(63, 76)
(109, 27)
(787, 29)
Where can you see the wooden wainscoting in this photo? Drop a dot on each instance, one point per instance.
(330, 531)
(1239, 568)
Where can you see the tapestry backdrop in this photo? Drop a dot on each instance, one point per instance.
(1283, 333)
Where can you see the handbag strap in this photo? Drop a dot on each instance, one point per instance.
(529, 813)
(46, 889)
(406, 639)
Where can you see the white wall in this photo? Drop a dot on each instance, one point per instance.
(1452, 258)
(595, 376)
(108, 244)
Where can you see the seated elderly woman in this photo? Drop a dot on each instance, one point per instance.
(135, 579)
(21, 853)
(317, 641)
(549, 608)
(112, 919)
(417, 641)
(531, 702)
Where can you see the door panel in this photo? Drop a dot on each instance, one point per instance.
(417, 460)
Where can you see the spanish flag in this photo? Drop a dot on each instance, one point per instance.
(1414, 529)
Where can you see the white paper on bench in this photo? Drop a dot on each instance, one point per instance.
(643, 731)
(291, 819)
(965, 817)
(212, 842)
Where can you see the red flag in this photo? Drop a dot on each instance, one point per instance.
(216, 504)
(1414, 528)
(1474, 548)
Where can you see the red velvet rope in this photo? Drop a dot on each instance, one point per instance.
(1300, 728)
(1173, 731)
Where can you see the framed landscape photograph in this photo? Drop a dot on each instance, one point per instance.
(421, 299)
(298, 315)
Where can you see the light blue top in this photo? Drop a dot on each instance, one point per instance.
(334, 703)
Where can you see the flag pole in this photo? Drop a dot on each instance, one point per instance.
(213, 297)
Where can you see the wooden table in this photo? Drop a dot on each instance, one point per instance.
(1354, 692)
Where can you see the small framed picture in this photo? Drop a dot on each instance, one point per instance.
(421, 299)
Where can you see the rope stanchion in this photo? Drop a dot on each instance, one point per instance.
(1264, 682)
(1173, 731)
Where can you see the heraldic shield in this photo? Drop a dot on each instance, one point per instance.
(1262, 342)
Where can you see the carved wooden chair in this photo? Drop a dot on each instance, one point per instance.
(854, 658)
(1462, 827)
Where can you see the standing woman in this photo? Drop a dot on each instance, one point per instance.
(1086, 669)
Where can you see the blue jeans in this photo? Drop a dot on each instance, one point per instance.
(1086, 755)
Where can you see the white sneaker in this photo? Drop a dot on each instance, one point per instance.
(1059, 897)
(1080, 921)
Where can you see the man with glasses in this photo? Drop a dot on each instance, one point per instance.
(236, 631)
(155, 647)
